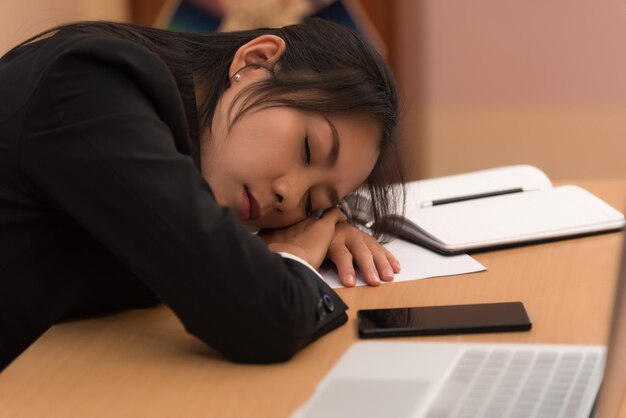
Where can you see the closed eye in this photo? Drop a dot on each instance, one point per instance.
(308, 209)
(307, 150)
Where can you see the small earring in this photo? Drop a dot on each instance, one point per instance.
(237, 77)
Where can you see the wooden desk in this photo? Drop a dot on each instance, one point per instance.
(142, 363)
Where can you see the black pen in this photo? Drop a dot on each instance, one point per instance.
(474, 196)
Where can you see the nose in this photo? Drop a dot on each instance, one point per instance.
(289, 192)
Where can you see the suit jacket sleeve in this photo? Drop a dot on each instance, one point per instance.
(99, 146)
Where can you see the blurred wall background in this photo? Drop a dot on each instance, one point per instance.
(484, 82)
(495, 82)
(20, 19)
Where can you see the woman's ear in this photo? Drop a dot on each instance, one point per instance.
(264, 50)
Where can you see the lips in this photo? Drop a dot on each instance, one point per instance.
(250, 209)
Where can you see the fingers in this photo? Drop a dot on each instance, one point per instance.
(342, 258)
(372, 259)
(393, 261)
(371, 263)
(334, 215)
(375, 262)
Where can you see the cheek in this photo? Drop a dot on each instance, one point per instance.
(254, 144)
(352, 175)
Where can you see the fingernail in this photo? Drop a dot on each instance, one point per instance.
(396, 266)
(350, 280)
(388, 274)
(374, 277)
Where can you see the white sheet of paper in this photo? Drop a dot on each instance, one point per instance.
(417, 263)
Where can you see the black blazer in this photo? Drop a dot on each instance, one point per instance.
(103, 208)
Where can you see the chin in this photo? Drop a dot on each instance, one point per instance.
(273, 223)
(251, 229)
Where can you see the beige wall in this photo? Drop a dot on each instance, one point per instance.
(20, 19)
(492, 82)
(485, 82)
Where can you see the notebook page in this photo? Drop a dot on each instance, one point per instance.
(495, 179)
(517, 217)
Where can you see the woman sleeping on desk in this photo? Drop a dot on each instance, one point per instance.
(135, 161)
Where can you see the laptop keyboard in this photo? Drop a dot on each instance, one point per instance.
(518, 384)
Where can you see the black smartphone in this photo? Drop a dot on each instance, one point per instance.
(438, 320)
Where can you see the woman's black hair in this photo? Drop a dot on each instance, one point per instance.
(326, 68)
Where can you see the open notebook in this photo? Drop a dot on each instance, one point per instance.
(498, 207)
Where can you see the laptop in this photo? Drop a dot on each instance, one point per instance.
(441, 380)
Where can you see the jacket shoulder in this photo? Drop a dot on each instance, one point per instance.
(22, 70)
(100, 66)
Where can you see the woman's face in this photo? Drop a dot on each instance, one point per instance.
(277, 165)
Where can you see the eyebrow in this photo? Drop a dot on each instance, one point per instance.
(334, 151)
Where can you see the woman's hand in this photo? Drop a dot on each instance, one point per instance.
(308, 239)
(351, 246)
